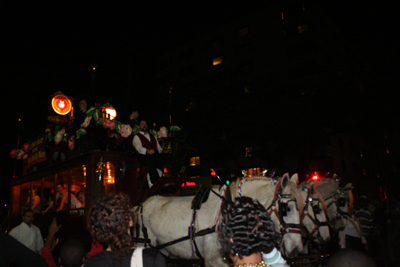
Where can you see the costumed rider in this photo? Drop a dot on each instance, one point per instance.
(149, 151)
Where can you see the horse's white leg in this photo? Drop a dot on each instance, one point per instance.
(342, 239)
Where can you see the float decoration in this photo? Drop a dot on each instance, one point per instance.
(125, 130)
(61, 104)
(153, 132)
(99, 171)
(174, 129)
(163, 132)
(62, 136)
(14, 153)
(59, 136)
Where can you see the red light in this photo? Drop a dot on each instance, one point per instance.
(94, 68)
(190, 183)
(61, 104)
(213, 174)
(19, 119)
(315, 177)
(183, 185)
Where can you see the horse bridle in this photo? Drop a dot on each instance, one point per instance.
(286, 228)
(316, 208)
(339, 199)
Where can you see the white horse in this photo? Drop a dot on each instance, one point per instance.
(314, 217)
(287, 223)
(168, 218)
(339, 201)
(336, 198)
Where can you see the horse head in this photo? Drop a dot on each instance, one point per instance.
(314, 218)
(290, 222)
(284, 203)
(338, 200)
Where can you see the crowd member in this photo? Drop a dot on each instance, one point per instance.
(248, 234)
(96, 135)
(33, 201)
(79, 115)
(149, 149)
(62, 197)
(27, 233)
(352, 236)
(350, 258)
(365, 217)
(393, 228)
(81, 197)
(109, 221)
(72, 253)
(13, 253)
(125, 143)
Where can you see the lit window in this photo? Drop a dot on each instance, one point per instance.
(218, 60)
(194, 177)
(194, 161)
(282, 16)
(303, 28)
(243, 31)
(248, 151)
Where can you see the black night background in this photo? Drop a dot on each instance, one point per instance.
(50, 46)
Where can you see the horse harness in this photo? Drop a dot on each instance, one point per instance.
(340, 199)
(283, 208)
(200, 197)
(317, 210)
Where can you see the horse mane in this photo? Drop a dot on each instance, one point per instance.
(273, 181)
(321, 199)
(326, 186)
(351, 199)
(298, 197)
(256, 178)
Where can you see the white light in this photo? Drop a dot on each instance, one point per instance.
(111, 112)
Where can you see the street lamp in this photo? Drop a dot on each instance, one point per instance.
(94, 68)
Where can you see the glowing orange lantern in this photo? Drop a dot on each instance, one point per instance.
(61, 104)
(109, 111)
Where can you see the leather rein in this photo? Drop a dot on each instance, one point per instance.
(316, 222)
(286, 228)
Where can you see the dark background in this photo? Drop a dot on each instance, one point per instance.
(50, 47)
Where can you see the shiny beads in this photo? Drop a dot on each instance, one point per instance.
(260, 264)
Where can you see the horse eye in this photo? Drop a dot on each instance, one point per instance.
(289, 209)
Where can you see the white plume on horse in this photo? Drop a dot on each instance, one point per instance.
(168, 218)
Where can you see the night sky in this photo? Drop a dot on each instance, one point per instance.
(48, 47)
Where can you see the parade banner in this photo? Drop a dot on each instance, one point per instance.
(37, 150)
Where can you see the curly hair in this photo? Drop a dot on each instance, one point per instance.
(246, 228)
(108, 222)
